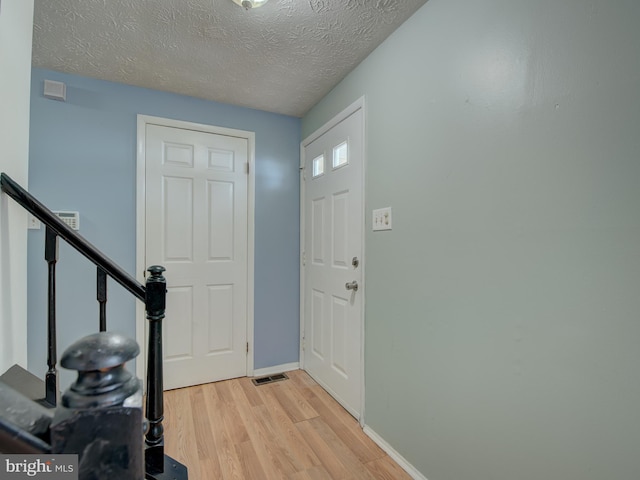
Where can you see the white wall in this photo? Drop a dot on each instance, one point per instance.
(503, 309)
(16, 24)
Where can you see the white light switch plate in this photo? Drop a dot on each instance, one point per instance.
(381, 219)
(32, 222)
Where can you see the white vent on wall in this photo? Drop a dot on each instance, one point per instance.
(55, 90)
(70, 218)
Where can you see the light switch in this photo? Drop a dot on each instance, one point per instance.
(32, 222)
(381, 219)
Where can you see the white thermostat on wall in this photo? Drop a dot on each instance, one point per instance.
(70, 218)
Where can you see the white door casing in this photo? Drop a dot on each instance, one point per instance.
(197, 217)
(332, 322)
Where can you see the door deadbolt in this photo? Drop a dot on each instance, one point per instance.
(355, 262)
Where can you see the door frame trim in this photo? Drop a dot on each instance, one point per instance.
(142, 122)
(359, 104)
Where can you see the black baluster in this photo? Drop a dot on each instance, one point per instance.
(51, 378)
(102, 298)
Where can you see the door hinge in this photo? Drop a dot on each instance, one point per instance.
(304, 344)
(304, 259)
(247, 168)
(247, 347)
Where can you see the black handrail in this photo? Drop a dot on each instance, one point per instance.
(77, 241)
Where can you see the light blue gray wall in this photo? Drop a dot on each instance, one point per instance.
(503, 309)
(83, 157)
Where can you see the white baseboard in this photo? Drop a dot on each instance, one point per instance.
(286, 367)
(399, 459)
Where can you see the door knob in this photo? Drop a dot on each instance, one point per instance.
(351, 286)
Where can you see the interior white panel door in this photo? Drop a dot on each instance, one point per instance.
(196, 227)
(333, 230)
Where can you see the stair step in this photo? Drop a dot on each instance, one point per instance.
(26, 383)
(24, 424)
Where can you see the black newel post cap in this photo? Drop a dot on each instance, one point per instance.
(99, 351)
(102, 379)
(156, 270)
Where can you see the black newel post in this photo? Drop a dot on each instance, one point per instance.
(156, 300)
(101, 282)
(158, 466)
(51, 378)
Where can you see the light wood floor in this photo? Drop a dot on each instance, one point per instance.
(290, 429)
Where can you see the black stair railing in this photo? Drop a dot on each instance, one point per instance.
(153, 294)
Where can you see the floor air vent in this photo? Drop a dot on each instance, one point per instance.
(269, 379)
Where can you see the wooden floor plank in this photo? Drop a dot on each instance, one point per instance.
(264, 443)
(203, 434)
(298, 400)
(234, 424)
(313, 473)
(301, 379)
(345, 426)
(250, 391)
(182, 426)
(318, 473)
(323, 450)
(213, 417)
(296, 407)
(209, 468)
(341, 450)
(288, 433)
(386, 469)
(284, 458)
(289, 430)
(223, 390)
(250, 463)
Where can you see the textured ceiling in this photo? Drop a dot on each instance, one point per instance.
(282, 57)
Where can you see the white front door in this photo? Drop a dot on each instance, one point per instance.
(332, 259)
(196, 227)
